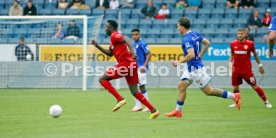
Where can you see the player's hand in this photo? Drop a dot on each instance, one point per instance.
(175, 63)
(261, 70)
(143, 69)
(94, 42)
(230, 64)
(134, 56)
(270, 53)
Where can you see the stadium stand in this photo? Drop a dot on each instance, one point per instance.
(222, 28)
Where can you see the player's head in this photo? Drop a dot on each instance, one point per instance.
(21, 40)
(184, 25)
(135, 34)
(241, 34)
(110, 27)
(72, 22)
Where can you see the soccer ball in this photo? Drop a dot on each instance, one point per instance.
(28, 57)
(55, 111)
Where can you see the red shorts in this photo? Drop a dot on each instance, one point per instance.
(237, 78)
(129, 70)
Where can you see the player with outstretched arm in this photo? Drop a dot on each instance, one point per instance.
(241, 50)
(126, 67)
(196, 72)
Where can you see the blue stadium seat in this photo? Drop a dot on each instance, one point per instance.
(4, 12)
(7, 31)
(221, 33)
(175, 41)
(221, 4)
(217, 13)
(204, 14)
(261, 32)
(132, 23)
(91, 3)
(171, 23)
(140, 5)
(231, 13)
(214, 24)
(167, 33)
(55, 41)
(85, 12)
(45, 12)
(240, 23)
(191, 14)
(58, 12)
(111, 14)
(2, 2)
(13, 40)
(163, 41)
(208, 4)
(3, 40)
(199, 23)
(105, 41)
(176, 13)
(263, 3)
(136, 14)
(232, 33)
(259, 40)
(197, 30)
(150, 40)
(68, 41)
(97, 12)
(41, 2)
(229, 40)
(145, 23)
(154, 33)
(2, 6)
(125, 13)
(208, 33)
(244, 12)
(72, 12)
(226, 23)
(217, 40)
(159, 24)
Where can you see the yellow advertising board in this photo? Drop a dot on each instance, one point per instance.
(75, 53)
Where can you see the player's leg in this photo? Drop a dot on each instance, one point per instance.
(236, 82)
(236, 89)
(251, 80)
(182, 87)
(210, 91)
(142, 87)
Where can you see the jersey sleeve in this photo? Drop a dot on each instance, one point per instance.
(145, 48)
(253, 49)
(116, 38)
(231, 48)
(187, 44)
(272, 26)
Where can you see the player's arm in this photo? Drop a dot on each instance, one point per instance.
(105, 51)
(271, 42)
(257, 58)
(148, 57)
(206, 44)
(231, 58)
(130, 47)
(188, 57)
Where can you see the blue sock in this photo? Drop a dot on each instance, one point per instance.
(143, 92)
(224, 95)
(179, 105)
(228, 95)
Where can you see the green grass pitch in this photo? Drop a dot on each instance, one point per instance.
(24, 114)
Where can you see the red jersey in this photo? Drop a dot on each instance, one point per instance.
(119, 48)
(241, 52)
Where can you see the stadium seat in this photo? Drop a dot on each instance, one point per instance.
(231, 13)
(208, 33)
(4, 12)
(58, 12)
(145, 23)
(68, 41)
(229, 40)
(111, 14)
(244, 12)
(167, 33)
(91, 3)
(221, 4)
(226, 23)
(176, 13)
(259, 40)
(55, 41)
(45, 12)
(213, 24)
(240, 23)
(208, 4)
(72, 12)
(136, 14)
(191, 14)
(217, 40)
(97, 12)
(13, 40)
(85, 12)
(175, 41)
(3, 40)
(204, 14)
(199, 23)
(232, 33)
(163, 41)
(150, 40)
(222, 33)
(263, 3)
(217, 14)
(154, 33)
(125, 13)
(261, 32)
(159, 24)
(132, 23)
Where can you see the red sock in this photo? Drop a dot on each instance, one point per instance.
(261, 93)
(238, 91)
(108, 86)
(144, 100)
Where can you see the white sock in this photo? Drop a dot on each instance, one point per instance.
(146, 95)
(178, 107)
(137, 103)
(230, 95)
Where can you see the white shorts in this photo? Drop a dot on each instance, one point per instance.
(142, 78)
(200, 78)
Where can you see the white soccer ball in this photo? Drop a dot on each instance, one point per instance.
(29, 57)
(55, 111)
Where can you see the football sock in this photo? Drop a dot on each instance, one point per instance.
(179, 105)
(137, 102)
(145, 93)
(144, 100)
(261, 93)
(108, 86)
(237, 91)
(228, 95)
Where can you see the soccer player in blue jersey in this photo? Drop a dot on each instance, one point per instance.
(142, 51)
(196, 72)
(272, 36)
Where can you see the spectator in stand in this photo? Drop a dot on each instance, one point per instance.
(16, 9)
(114, 4)
(59, 33)
(194, 4)
(181, 4)
(164, 12)
(30, 9)
(247, 4)
(267, 18)
(62, 4)
(75, 4)
(232, 3)
(248, 35)
(149, 11)
(127, 3)
(73, 31)
(254, 21)
(102, 4)
(23, 52)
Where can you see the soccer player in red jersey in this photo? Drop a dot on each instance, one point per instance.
(242, 68)
(126, 67)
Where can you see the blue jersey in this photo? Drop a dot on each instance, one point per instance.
(141, 48)
(192, 40)
(272, 26)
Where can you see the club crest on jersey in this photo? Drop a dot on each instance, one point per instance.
(245, 46)
(137, 46)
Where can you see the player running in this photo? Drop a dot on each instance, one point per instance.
(142, 51)
(196, 71)
(126, 67)
(272, 36)
(241, 68)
